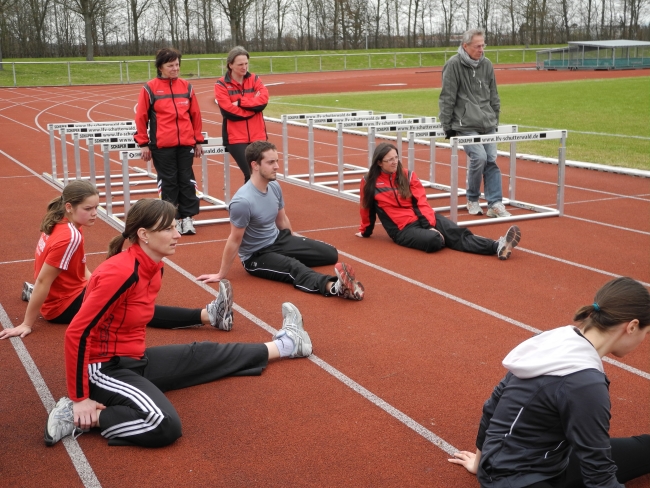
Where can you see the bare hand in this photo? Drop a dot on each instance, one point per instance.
(198, 150)
(22, 330)
(85, 413)
(359, 234)
(145, 153)
(210, 278)
(466, 459)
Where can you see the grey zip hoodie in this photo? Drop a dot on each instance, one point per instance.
(553, 400)
(469, 100)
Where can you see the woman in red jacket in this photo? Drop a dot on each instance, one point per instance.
(167, 106)
(117, 384)
(399, 199)
(62, 275)
(241, 97)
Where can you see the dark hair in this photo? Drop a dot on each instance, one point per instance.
(234, 52)
(149, 213)
(167, 55)
(74, 194)
(255, 151)
(620, 300)
(368, 197)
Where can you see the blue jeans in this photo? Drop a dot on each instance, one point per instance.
(482, 166)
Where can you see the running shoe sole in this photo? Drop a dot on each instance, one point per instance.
(345, 274)
(512, 239)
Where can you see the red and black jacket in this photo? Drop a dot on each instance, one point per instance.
(170, 109)
(242, 123)
(118, 304)
(396, 212)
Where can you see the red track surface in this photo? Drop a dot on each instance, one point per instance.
(419, 341)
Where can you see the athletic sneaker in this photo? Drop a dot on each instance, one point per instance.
(188, 226)
(220, 309)
(508, 242)
(474, 208)
(179, 226)
(346, 285)
(60, 423)
(28, 288)
(292, 328)
(498, 210)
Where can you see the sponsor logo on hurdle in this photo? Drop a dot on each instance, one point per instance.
(326, 115)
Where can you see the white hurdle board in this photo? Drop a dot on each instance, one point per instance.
(538, 211)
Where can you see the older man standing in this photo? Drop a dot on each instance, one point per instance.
(469, 105)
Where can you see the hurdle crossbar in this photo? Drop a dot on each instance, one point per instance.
(539, 211)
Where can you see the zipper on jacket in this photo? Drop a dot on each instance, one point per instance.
(178, 129)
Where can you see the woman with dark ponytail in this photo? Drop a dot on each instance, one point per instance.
(117, 384)
(62, 275)
(546, 424)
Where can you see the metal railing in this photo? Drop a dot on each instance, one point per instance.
(56, 73)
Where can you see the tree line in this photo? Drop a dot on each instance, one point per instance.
(63, 28)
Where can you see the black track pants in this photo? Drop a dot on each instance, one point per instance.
(630, 454)
(455, 237)
(138, 412)
(237, 151)
(176, 181)
(289, 260)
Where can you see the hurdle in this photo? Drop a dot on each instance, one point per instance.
(131, 151)
(538, 211)
(79, 131)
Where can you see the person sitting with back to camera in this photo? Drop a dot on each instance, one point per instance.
(398, 198)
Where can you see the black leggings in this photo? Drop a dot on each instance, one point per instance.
(630, 454)
(163, 317)
(238, 151)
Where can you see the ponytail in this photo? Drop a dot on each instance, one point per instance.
(74, 193)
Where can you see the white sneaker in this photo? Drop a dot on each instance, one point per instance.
(508, 242)
(220, 309)
(60, 423)
(474, 208)
(188, 226)
(498, 210)
(179, 226)
(28, 288)
(292, 328)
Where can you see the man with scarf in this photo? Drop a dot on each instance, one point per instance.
(469, 105)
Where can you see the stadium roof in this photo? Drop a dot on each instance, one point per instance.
(611, 44)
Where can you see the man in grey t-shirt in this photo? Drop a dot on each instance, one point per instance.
(260, 232)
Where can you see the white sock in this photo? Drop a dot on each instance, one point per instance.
(285, 345)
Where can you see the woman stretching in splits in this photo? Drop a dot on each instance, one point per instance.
(115, 383)
(61, 272)
(399, 199)
(546, 424)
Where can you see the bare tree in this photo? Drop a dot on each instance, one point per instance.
(282, 10)
(235, 11)
(449, 9)
(87, 9)
(5, 6)
(137, 9)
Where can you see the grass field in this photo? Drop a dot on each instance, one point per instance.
(137, 69)
(617, 110)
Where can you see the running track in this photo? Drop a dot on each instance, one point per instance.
(397, 379)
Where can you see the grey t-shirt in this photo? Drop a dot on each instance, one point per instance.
(256, 211)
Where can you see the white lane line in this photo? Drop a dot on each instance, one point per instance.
(474, 306)
(368, 395)
(607, 225)
(577, 265)
(75, 452)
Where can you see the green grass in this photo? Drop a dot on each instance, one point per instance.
(616, 106)
(136, 69)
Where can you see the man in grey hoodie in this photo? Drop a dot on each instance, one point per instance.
(470, 105)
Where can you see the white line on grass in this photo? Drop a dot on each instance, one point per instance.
(368, 395)
(75, 452)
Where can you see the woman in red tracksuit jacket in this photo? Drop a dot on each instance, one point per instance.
(167, 106)
(399, 199)
(116, 383)
(241, 97)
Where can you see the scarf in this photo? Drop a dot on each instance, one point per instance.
(464, 57)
